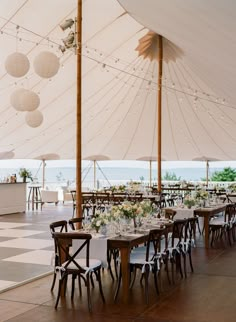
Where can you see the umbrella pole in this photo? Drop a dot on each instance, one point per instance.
(78, 114)
(94, 175)
(150, 173)
(207, 173)
(159, 108)
(44, 165)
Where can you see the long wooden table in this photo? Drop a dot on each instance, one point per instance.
(125, 244)
(207, 213)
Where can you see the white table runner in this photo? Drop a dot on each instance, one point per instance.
(98, 248)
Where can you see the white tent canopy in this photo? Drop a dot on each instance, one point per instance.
(119, 87)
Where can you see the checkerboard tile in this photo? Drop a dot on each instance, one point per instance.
(27, 243)
(41, 257)
(7, 225)
(5, 284)
(18, 232)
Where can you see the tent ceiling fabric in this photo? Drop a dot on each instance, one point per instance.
(119, 86)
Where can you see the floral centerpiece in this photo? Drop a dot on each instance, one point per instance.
(128, 211)
(100, 219)
(24, 174)
(189, 201)
(201, 194)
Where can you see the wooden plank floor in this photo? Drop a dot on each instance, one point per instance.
(206, 295)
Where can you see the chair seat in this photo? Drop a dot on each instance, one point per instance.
(138, 258)
(218, 223)
(93, 264)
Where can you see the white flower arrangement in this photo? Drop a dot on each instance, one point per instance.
(201, 194)
(130, 211)
(100, 219)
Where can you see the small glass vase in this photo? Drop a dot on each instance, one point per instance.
(103, 230)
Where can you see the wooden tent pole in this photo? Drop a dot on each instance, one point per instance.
(159, 111)
(78, 114)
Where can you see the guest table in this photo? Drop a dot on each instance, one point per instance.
(124, 243)
(207, 213)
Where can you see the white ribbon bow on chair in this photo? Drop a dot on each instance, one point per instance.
(59, 270)
(150, 263)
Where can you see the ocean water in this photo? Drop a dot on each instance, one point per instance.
(68, 174)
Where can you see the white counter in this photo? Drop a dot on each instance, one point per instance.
(12, 198)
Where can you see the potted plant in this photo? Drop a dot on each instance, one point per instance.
(25, 174)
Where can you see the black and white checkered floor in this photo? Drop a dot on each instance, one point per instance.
(26, 246)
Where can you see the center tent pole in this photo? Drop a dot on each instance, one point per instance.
(159, 112)
(78, 114)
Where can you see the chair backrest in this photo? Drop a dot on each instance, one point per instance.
(230, 212)
(73, 195)
(69, 256)
(58, 226)
(190, 228)
(170, 213)
(153, 243)
(73, 221)
(179, 230)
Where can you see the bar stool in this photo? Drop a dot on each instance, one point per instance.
(34, 197)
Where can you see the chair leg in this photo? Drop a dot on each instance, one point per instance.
(59, 293)
(73, 286)
(185, 268)
(54, 280)
(146, 284)
(155, 281)
(166, 264)
(80, 288)
(109, 255)
(88, 293)
(115, 256)
(98, 274)
(190, 259)
(134, 277)
(118, 286)
(178, 264)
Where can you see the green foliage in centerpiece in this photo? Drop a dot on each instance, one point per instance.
(25, 174)
(201, 194)
(189, 201)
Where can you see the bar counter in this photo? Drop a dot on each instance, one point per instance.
(12, 198)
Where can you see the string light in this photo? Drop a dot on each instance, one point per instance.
(90, 51)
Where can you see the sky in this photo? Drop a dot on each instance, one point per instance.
(104, 164)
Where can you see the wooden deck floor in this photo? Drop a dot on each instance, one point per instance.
(207, 295)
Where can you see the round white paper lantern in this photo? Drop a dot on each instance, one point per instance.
(17, 64)
(30, 100)
(16, 99)
(34, 119)
(46, 64)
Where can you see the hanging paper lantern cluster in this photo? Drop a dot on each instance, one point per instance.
(17, 65)
(34, 119)
(46, 65)
(24, 100)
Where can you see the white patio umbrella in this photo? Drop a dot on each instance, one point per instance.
(207, 160)
(6, 155)
(44, 158)
(150, 159)
(95, 159)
